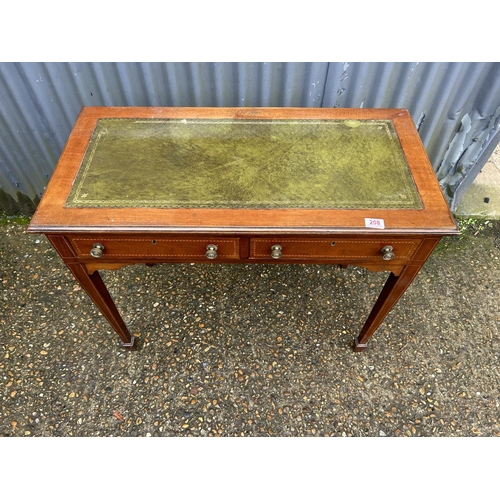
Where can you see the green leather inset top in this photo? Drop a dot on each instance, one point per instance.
(223, 163)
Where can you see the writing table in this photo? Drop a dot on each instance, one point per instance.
(244, 185)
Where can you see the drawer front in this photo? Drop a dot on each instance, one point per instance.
(334, 249)
(158, 247)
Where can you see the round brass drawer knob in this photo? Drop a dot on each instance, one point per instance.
(387, 253)
(276, 252)
(97, 250)
(211, 252)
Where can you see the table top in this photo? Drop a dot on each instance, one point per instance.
(307, 170)
(230, 163)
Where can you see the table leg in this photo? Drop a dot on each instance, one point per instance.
(97, 291)
(393, 289)
(95, 288)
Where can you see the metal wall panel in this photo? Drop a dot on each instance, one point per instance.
(456, 106)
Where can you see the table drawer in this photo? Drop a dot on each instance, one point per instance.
(157, 247)
(326, 249)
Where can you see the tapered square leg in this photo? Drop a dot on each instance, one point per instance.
(95, 288)
(393, 289)
(97, 291)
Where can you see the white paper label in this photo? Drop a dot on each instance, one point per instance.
(375, 223)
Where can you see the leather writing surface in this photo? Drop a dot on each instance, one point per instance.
(240, 163)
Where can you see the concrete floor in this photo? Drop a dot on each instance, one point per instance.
(235, 350)
(482, 200)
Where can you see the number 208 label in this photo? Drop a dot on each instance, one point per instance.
(375, 223)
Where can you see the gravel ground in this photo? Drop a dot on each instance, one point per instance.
(237, 350)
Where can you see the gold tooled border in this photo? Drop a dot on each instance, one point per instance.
(78, 199)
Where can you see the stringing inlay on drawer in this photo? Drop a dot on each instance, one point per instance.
(227, 248)
(332, 248)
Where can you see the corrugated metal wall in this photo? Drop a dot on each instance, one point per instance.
(456, 106)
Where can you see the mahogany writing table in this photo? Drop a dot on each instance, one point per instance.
(244, 185)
